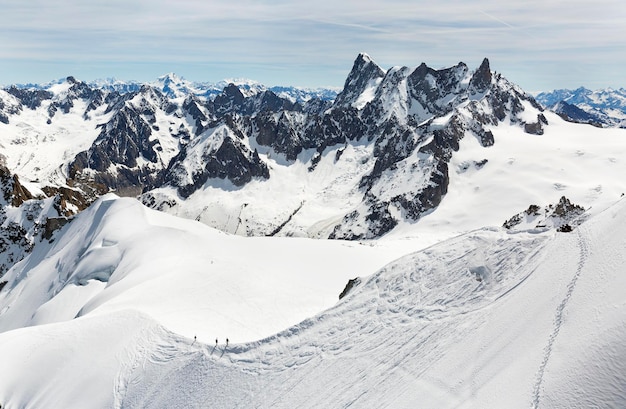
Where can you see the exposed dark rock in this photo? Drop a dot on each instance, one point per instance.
(314, 161)
(230, 98)
(353, 282)
(429, 197)
(7, 109)
(230, 161)
(534, 128)
(31, 98)
(572, 113)
(13, 192)
(67, 201)
(378, 221)
(278, 133)
(563, 216)
(52, 225)
(429, 86)
(566, 208)
(364, 72)
(192, 106)
(566, 228)
(481, 80)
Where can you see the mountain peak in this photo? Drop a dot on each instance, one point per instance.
(170, 77)
(364, 57)
(364, 72)
(482, 77)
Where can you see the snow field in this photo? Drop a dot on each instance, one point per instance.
(488, 319)
(193, 279)
(524, 169)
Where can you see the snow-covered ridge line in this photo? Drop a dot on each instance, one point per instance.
(380, 158)
(175, 86)
(606, 107)
(535, 314)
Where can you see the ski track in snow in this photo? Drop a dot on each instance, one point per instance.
(558, 318)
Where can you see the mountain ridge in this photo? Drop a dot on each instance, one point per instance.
(389, 136)
(605, 107)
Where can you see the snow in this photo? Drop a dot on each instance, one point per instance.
(368, 93)
(323, 196)
(572, 160)
(118, 255)
(54, 143)
(487, 319)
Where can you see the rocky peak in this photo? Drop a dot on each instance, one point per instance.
(433, 88)
(481, 80)
(562, 216)
(230, 98)
(365, 73)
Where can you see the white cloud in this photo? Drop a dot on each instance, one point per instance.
(314, 40)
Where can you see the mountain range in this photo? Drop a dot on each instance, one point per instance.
(174, 151)
(121, 259)
(603, 107)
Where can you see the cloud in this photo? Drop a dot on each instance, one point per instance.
(311, 41)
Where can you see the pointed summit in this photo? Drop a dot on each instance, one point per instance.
(172, 85)
(364, 57)
(481, 80)
(365, 72)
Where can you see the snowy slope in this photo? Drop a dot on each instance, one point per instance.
(118, 254)
(488, 319)
(487, 185)
(36, 146)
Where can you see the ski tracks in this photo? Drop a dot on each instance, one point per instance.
(558, 318)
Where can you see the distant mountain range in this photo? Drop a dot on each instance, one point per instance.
(174, 86)
(603, 107)
(259, 161)
(170, 146)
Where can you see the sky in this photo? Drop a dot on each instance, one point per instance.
(539, 45)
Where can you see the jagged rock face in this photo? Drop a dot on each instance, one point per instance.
(563, 216)
(31, 98)
(218, 154)
(13, 192)
(352, 283)
(416, 120)
(429, 87)
(9, 105)
(411, 119)
(279, 132)
(481, 80)
(24, 220)
(365, 73)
